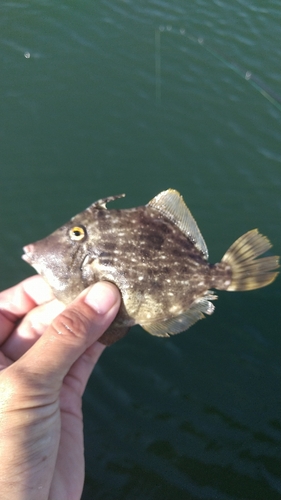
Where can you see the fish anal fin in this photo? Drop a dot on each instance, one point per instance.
(170, 203)
(183, 321)
(157, 329)
(113, 334)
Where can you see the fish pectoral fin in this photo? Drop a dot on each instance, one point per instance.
(170, 203)
(112, 334)
(183, 321)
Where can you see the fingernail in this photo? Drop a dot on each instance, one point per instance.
(101, 297)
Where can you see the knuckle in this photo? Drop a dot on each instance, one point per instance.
(16, 388)
(71, 322)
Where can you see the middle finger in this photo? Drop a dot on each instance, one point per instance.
(31, 327)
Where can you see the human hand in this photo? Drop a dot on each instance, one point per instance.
(47, 353)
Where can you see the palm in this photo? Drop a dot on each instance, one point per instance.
(68, 475)
(65, 426)
(51, 418)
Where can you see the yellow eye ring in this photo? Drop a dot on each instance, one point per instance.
(77, 233)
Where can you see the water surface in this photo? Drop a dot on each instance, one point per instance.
(104, 97)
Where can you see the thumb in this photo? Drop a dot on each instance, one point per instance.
(71, 333)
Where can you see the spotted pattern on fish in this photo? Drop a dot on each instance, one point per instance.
(156, 256)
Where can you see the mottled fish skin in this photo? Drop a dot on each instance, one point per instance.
(160, 267)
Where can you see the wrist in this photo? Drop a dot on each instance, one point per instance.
(27, 447)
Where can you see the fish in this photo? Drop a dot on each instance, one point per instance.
(156, 256)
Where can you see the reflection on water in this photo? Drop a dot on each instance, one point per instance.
(255, 81)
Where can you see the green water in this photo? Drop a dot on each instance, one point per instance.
(104, 97)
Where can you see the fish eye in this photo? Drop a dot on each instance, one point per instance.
(77, 233)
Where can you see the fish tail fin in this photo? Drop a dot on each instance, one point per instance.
(248, 272)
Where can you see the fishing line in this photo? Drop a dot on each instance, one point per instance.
(247, 75)
(158, 65)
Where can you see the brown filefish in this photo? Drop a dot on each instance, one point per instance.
(156, 256)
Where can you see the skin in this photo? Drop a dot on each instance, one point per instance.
(47, 353)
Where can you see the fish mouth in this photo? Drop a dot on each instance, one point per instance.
(28, 254)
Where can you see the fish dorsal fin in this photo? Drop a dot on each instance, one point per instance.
(183, 321)
(170, 203)
(101, 204)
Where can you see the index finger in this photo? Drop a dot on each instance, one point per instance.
(18, 300)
